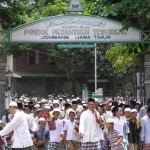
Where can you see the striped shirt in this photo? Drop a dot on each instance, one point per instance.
(111, 138)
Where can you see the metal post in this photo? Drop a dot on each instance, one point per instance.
(138, 85)
(8, 90)
(95, 67)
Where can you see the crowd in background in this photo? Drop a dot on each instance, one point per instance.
(62, 123)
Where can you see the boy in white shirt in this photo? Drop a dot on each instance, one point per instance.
(56, 131)
(71, 138)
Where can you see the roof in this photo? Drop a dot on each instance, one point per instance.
(20, 74)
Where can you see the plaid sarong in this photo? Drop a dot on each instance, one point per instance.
(54, 146)
(91, 146)
(72, 145)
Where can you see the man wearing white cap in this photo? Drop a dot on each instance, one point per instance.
(89, 127)
(21, 137)
(127, 113)
(36, 107)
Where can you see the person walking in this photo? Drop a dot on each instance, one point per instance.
(113, 138)
(144, 135)
(143, 110)
(134, 130)
(89, 127)
(21, 139)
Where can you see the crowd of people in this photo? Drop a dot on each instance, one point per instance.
(61, 123)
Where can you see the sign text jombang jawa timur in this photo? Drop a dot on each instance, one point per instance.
(74, 29)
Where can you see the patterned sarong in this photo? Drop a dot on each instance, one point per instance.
(54, 146)
(72, 145)
(91, 146)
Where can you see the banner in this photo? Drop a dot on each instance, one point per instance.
(74, 29)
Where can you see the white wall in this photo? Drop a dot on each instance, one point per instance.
(9, 64)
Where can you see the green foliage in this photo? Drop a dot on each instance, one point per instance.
(18, 12)
(130, 12)
(125, 57)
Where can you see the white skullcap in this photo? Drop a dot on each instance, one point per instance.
(56, 110)
(39, 110)
(68, 100)
(78, 98)
(110, 120)
(71, 110)
(43, 100)
(13, 104)
(83, 102)
(85, 105)
(26, 100)
(133, 110)
(21, 99)
(36, 106)
(78, 109)
(112, 107)
(64, 102)
(110, 104)
(96, 100)
(127, 109)
(41, 119)
(47, 107)
(123, 102)
(138, 102)
(56, 102)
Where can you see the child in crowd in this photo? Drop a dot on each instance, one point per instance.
(71, 138)
(41, 136)
(113, 138)
(55, 130)
(39, 115)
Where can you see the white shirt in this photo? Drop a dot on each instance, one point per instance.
(31, 122)
(4, 118)
(145, 131)
(101, 134)
(36, 119)
(69, 126)
(55, 134)
(109, 114)
(21, 136)
(118, 125)
(89, 127)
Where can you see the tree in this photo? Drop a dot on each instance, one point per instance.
(17, 12)
(125, 57)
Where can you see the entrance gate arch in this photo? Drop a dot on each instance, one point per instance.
(73, 29)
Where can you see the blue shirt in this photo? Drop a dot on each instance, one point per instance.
(42, 135)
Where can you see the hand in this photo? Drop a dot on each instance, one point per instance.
(81, 135)
(115, 144)
(40, 143)
(138, 126)
(61, 139)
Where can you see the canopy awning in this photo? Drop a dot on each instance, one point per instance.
(20, 74)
